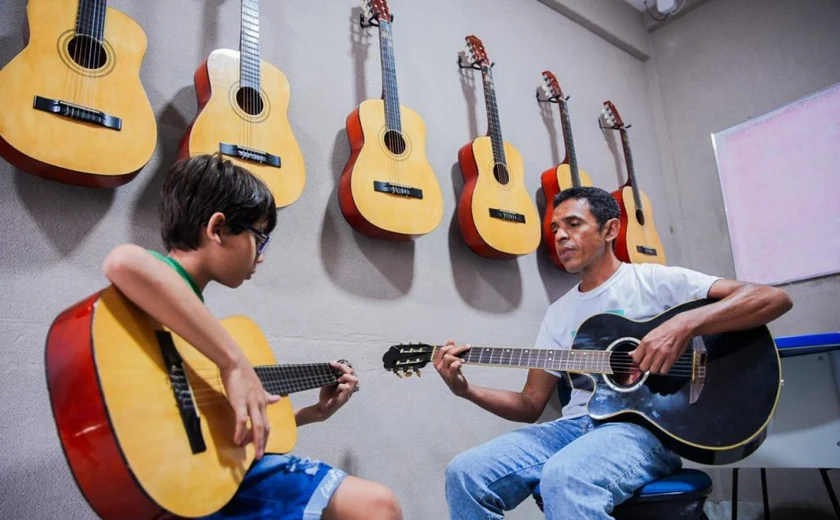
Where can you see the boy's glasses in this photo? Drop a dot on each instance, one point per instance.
(263, 238)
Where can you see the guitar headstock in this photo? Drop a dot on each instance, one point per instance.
(373, 11)
(407, 358)
(550, 89)
(473, 54)
(610, 117)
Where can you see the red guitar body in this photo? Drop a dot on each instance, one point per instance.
(87, 437)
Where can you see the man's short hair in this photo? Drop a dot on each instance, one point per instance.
(601, 203)
(196, 188)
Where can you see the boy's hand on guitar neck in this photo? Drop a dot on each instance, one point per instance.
(248, 398)
(448, 365)
(333, 397)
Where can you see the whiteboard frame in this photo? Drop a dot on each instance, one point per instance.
(743, 124)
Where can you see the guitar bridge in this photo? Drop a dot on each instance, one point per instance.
(396, 189)
(507, 216)
(698, 368)
(181, 389)
(77, 112)
(249, 154)
(646, 250)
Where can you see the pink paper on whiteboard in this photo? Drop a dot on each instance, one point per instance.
(780, 178)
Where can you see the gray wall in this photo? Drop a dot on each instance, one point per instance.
(324, 291)
(717, 66)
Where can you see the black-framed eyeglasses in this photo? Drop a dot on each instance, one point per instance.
(264, 239)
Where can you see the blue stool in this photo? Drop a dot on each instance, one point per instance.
(680, 496)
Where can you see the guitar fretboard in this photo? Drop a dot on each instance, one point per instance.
(493, 122)
(569, 142)
(288, 379)
(90, 18)
(249, 45)
(561, 360)
(389, 77)
(631, 172)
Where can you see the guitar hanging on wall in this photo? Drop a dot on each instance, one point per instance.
(496, 216)
(143, 417)
(388, 189)
(72, 108)
(566, 174)
(637, 241)
(243, 104)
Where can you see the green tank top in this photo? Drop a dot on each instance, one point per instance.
(181, 271)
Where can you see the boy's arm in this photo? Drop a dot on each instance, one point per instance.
(159, 291)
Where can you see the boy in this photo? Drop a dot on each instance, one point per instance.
(216, 219)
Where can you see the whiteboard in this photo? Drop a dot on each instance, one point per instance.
(780, 178)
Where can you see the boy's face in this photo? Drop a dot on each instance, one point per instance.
(235, 257)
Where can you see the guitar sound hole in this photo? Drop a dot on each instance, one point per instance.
(87, 52)
(249, 100)
(640, 217)
(625, 373)
(394, 142)
(500, 171)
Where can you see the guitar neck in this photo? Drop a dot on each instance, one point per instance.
(571, 158)
(389, 77)
(289, 379)
(631, 172)
(562, 360)
(493, 124)
(249, 45)
(90, 18)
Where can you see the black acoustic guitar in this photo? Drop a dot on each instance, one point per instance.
(712, 407)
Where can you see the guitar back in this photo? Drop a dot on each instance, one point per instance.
(484, 195)
(223, 119)
(637, 242)
(384, 214)
(729, 420)
(65, 149)
(554, 181)
(144, 421)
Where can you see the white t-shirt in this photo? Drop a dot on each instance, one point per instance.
(635, 291)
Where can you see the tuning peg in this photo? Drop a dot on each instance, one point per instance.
(417, 371)
(397, 373)
(408, 373)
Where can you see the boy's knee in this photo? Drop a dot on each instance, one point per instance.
(384, 504)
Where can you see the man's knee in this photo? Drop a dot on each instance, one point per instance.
(563, 479)
(461, 470)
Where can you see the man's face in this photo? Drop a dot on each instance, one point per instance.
(577, 236)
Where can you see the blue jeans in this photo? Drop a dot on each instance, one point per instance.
(584, 469)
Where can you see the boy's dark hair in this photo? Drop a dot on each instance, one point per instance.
(197, 187)
(601, 203)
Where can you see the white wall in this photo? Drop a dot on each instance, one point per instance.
(717, 66)
(324, 291)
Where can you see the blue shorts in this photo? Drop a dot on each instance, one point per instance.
(283, 487)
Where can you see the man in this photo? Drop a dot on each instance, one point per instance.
(215, 223)
(586, 468)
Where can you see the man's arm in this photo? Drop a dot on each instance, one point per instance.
(160, 292)
(524, 406)
(740, 306)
